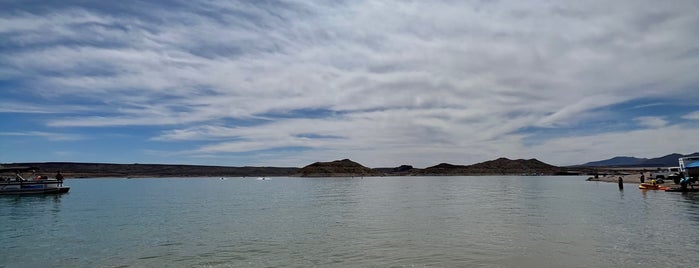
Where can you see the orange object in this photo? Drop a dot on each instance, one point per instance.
(650, 186)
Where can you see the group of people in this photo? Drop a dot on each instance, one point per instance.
(684, 182)
(59, 177)
(642, 178)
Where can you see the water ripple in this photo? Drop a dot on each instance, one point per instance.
(385, 222)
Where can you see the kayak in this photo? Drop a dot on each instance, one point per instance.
(651, 186)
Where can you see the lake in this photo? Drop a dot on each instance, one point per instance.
(506, 221)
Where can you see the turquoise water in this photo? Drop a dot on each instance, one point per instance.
(324, 222)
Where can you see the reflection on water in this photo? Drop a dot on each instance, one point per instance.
(691, 208)
(407, 221)
(22, 206)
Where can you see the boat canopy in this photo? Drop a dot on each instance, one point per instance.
(692, 165)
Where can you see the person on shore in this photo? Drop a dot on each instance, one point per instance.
(621, 183)
(59, 178)
(643, 178)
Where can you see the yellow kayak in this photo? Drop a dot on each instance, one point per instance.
(651, 186)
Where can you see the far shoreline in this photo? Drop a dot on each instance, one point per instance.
(627, 178)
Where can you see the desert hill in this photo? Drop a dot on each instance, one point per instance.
(337, 168)
(500, 166)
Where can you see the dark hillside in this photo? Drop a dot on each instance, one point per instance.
(500, 166)
(337, 168)
(519, 166)
(91, 170)
(670, 160)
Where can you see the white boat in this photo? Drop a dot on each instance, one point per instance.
(12, 182)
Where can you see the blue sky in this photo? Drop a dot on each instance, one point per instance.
(385, 83)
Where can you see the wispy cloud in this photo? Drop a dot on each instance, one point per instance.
(437, 81)
(692, 116)
(39, 108)
(9, 107)
(651, 121)
(47, 135)
(640, 143)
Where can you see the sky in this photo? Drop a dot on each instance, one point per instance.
(384, 83)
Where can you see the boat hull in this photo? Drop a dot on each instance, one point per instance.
(32, 187)
(60, 190)
(651, 186)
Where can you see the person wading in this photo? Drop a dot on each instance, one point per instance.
(621, 183)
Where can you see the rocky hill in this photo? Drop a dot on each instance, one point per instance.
(500, 166)
(444, 169)
(403, 170)
(338, 168)
(519, 166)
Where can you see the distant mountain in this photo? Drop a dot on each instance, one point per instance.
(507, 165)
(396, 171)
(337, 168)
(670, 160)
(96, 170)
(445, 169)
(498, 166)
(625, 161)
(519, 166)
(616, 161)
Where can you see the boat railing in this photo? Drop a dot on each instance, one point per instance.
(25, 182)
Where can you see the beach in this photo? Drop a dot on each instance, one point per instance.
(627, 177)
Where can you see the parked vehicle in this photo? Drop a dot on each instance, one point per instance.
(665, 173)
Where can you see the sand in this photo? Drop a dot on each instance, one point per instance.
(630, 178)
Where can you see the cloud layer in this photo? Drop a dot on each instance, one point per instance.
(382, 82)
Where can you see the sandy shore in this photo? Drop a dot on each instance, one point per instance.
(630, 178)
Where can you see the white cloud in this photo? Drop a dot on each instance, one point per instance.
(651, 121)
(640, 143)
(48, 135)
(39, 108)
(692, 116)
(453, 81)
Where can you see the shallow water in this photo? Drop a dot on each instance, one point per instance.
(385, 222)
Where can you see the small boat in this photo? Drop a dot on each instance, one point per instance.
(16, 184)
(651, 186)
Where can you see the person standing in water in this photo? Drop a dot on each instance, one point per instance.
(621, 183)
(643, 178)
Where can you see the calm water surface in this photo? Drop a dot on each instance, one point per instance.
(385, 222)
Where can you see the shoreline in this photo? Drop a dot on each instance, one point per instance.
(628, 178)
